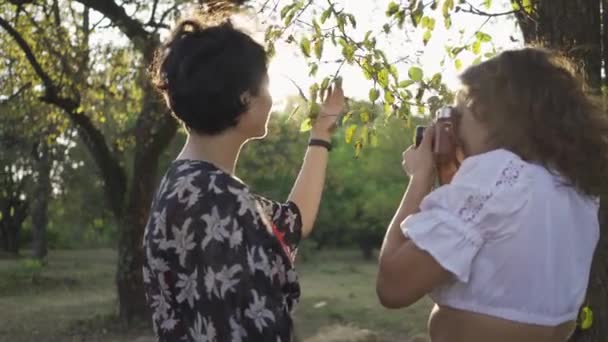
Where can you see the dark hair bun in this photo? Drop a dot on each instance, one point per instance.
(203, 71)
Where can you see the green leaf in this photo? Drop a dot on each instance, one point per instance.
(324, 86)
(476, 47)
(389, 98)
(417, 15)
(487, 3)
(286, 10)
(415, 74)
(458, 64)
(289, 18)
(364, 117)
(364, 135)
(393, 8)
(341, 21)
(349, 53)
(432, 23)
(436, 80)
(528, 6)
(426, 37)
(448, 6)
(358, 148)
(406, 83)
(425, 22)
(350, 131)
(313, 92)
(352, 20)
(383, 77)
(305, 46)
(347, 117)
(483, 37)
(394, 72)
(447, 22)
(401, 18)
(386, 28)
(373, 94)
(325, 15)
(306, 125)
(420, 94)
(313, 69)
(343, 42)
(477, 60)
(315, 24)
(270, 50)
(387, 109)
(319, 48)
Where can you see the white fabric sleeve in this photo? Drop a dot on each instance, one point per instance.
(456, 220)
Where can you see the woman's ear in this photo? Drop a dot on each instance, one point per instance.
(246, 98)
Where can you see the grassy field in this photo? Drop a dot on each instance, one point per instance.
(73, 299)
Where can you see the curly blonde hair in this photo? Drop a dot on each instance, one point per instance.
(536, 106)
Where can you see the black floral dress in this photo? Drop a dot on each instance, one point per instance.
(218, 259)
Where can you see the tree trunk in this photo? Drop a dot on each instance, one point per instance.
(3, 238)
(154, 131)
(12, 239)
(575, 28)
(40, 203)
(13, 216)
(129, 281)
(572, 27)
(605, 40)
(597, 297)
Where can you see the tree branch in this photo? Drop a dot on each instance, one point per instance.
(154, 6)
(132, 28)
(164, 16)
(16, 94)
(46, 80)
(474, 10)
(112, 173)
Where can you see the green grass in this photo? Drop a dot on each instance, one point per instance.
(73, 299)
(344, 286)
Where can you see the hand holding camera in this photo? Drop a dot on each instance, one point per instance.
(442, 145)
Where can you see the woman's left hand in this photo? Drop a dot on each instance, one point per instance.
(330, 112)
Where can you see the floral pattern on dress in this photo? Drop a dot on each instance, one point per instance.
(214, 268)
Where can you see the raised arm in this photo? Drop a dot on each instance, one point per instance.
(308, 187)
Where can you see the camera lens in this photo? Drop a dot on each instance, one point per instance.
(418, 135)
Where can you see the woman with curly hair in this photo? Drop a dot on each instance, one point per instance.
(505, 249)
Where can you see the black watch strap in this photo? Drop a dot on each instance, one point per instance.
(320, 142)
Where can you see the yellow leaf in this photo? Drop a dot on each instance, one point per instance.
(358, 148)
(306, 125)
(458, 64)
(364, 117)
(364, 137)
(586, 318)
(349, 133)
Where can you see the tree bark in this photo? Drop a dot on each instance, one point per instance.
(570, 26)
(40, 202)
(575, 28)
(14, 213)
(154, 131)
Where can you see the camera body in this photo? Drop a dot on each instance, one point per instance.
(444, 144)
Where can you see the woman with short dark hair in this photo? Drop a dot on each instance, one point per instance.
(218, 258)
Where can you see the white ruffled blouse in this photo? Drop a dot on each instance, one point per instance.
(518, 241)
